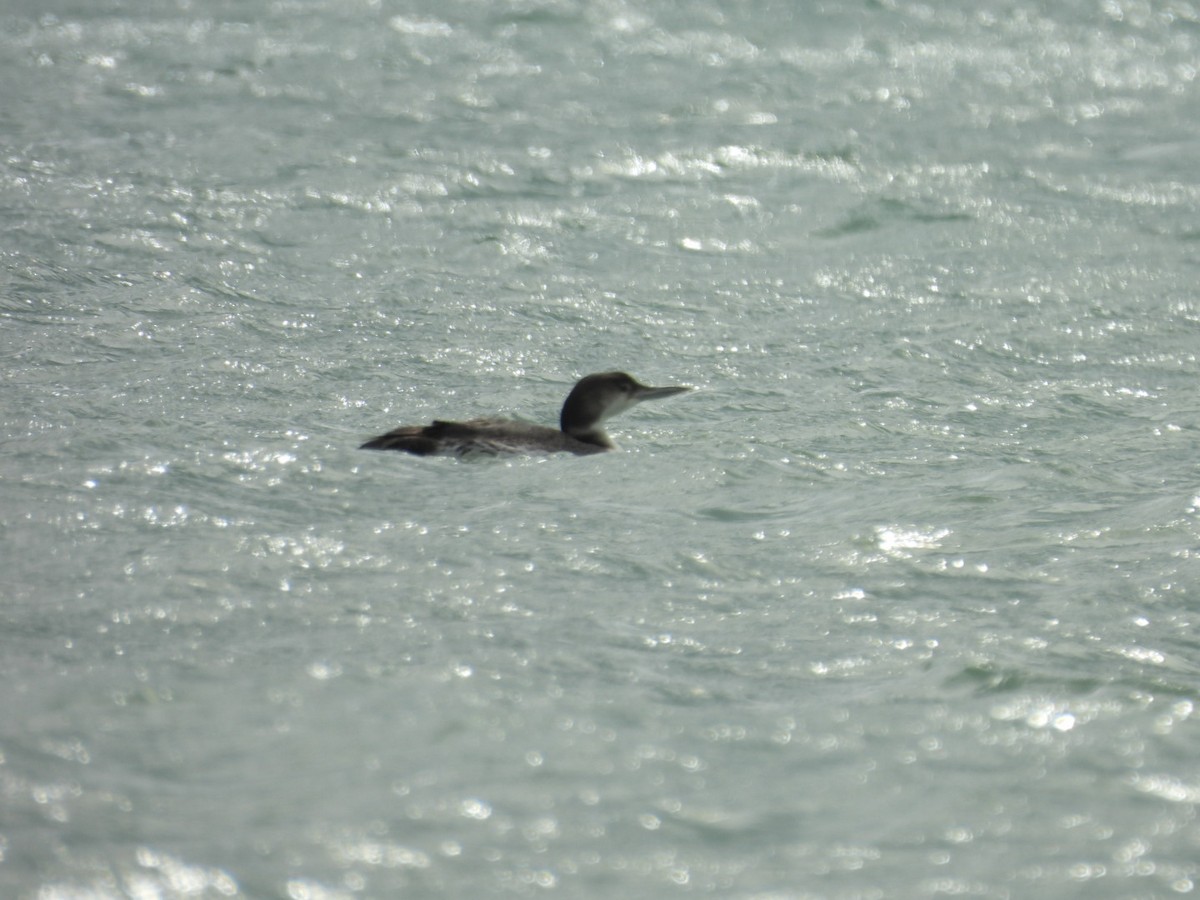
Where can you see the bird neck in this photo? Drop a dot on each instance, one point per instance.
(593, 436)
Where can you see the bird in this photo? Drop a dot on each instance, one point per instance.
(593, 399)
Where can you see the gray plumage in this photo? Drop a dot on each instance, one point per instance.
(592, 400)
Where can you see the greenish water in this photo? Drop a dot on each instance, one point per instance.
(898, 603)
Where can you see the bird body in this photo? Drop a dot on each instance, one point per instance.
(592, 400)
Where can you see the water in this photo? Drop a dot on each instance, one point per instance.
(898, 603)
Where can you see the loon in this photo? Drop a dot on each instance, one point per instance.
(592, 400)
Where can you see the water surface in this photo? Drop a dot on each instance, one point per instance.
(898, 603)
